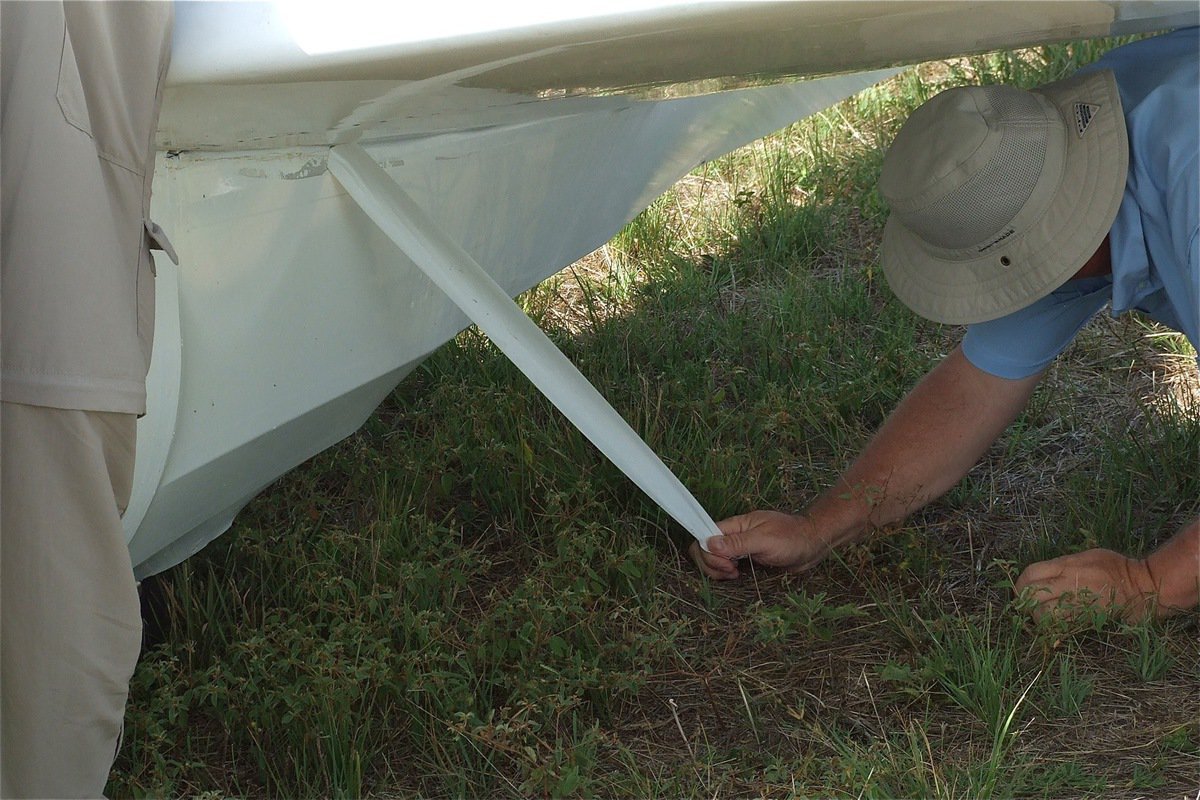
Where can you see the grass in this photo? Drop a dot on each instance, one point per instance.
(465, 600)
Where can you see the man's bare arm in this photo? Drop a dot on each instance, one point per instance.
(932, 439)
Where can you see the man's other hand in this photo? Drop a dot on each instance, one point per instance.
(1094, 578)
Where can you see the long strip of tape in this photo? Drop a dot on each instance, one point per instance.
(468, 285)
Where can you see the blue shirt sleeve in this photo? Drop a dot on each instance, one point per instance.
(1024, 342)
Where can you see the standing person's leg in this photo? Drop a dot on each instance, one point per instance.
(71, 625)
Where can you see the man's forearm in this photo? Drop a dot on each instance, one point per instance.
(932, 439)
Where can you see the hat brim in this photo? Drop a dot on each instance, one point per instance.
(1040, 259)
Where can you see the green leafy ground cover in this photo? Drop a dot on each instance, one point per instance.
(465, 600)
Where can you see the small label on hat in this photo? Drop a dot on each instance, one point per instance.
(997, 240)
(1084, 113)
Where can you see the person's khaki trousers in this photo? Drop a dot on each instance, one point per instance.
(71, 620)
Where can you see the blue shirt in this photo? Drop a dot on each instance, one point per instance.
(1155, 267)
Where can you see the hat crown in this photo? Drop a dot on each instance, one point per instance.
(963, 172)
(998, 208)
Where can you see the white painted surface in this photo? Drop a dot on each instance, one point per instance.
(297, 317)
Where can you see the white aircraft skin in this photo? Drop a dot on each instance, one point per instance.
(527, 139)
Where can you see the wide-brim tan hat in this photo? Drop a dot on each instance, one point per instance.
(999, 195)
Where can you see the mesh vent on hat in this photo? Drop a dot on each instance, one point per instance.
(1015, 106)
(978, 211)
